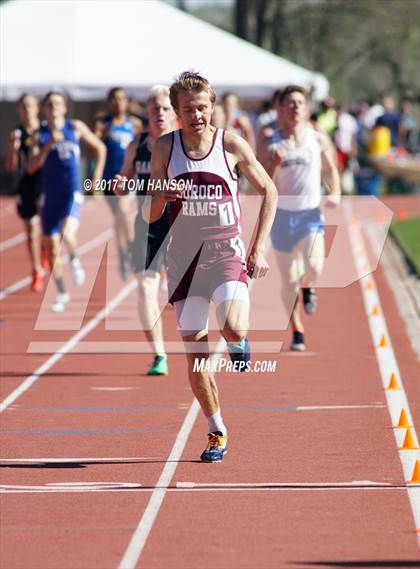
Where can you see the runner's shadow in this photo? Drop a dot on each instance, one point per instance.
(81, 464)
(62, 374)
(389, 563)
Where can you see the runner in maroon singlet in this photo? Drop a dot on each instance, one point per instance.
(206, 257)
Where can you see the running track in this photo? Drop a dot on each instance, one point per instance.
(99, 462)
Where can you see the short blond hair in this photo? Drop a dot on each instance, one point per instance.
(190, 81)
(157, 91)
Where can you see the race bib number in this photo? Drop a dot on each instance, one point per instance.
(226, 214)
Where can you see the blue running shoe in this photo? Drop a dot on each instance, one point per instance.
(240, 353)
(216, 448)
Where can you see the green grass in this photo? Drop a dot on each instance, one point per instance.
(407, 235)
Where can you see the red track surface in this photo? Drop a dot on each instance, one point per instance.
(68, 413)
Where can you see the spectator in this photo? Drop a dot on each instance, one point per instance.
(327, 117)
(236, 119)
(408, 127)
(391, 119)
(345, 137)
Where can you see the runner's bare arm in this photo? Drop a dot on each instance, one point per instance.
(137, 125)
(329, 172)
(263, 143)
(153, 208)
(242, 156)
(96, 145)
(37, 155)
(99, 127)
(127, 171)
(13, 146)
(248, 131)
(269, 157)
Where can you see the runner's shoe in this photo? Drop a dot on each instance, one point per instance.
(37, 284)
(216, 448)
(78, 272)
(240, 352)
(310, 300)
(298, 342)
(159, 366)
(60, 302)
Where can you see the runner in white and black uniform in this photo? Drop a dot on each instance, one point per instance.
(206, 261)
(150, 240)
(148, 254)
(29, 189)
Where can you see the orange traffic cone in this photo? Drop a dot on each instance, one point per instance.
(393, 384)
(383, 343)
(415, 479)
(369, 285)
(375, 311)
(403, 420)
(409, 443)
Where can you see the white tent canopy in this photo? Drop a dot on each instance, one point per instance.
(87, 46)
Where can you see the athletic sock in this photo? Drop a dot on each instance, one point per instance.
(215, 423)
(59, 282)
(159, 347)
(237, 346)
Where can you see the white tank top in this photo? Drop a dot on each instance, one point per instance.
(298, 178)
(209, 208)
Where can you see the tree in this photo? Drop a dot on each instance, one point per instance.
(242, 8)
(364, 47)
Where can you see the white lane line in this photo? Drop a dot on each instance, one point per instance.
(387, 363)
(139, 538)
(15, 240)
(68, 346)
(85, 248)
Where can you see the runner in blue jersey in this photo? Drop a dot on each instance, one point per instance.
(56, 151)
(117, 129)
